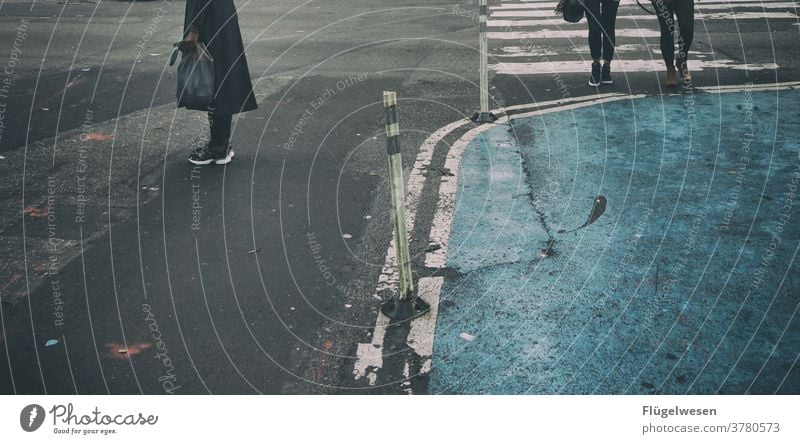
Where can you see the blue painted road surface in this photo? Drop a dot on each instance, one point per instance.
(640, 246)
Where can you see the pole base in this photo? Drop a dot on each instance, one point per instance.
(404, 310)
(483, 117)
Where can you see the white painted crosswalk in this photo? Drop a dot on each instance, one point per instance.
(528, 38)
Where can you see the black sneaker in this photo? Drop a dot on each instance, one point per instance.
(204, 155)
(594, 79)
(605, 77)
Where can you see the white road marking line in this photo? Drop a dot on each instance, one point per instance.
(746, 15)
(548, 7)
(500, 23)
(388, 280)
(751, 87)
(423, 328)
(539, 6)
(651, 65)
(442, 220)
(567, 34)
(506, 23)
(539, 105)
(518, 51)
(440, 227)
(528, 13)
(523, 4)
(749, 4)
(369, 357)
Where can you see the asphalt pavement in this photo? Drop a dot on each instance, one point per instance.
(128, 270)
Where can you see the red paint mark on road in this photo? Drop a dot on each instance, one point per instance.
(13, 279)
(120, 351)
(35, 212)
(97, 137)
(76, 81)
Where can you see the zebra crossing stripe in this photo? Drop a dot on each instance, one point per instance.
(567, 34)
(621, 65)
(548, 12)
(541, 4)
(714, 16)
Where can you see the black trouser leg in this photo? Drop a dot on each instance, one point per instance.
(684, 10)
(595, 28)
(220, 126)
(609, 27)
(666, 20)
(602, 18)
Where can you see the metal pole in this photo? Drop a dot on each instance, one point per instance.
(484, 115)
(404, 305)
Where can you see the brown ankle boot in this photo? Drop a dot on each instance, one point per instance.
(671, 81)
(683, 68)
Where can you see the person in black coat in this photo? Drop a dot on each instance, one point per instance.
(215, 24)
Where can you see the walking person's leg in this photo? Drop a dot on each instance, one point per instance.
(593, 16)
(218, 150)
(220, 127)
(609, 21)
(666, 22)
(684, 11)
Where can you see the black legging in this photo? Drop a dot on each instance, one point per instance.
(220, 126)
(666, 11)
(602, 17)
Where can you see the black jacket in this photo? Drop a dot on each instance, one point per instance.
(218, 27)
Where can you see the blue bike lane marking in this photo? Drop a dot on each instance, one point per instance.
(684, 280)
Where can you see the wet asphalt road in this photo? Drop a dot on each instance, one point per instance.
(154, 276)
(129, 271)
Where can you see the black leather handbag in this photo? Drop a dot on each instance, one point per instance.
(571, 10)
(195, 76)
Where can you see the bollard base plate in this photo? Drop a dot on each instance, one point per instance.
(483, 117)
(404, 310)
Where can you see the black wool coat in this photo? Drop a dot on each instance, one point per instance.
(218, 27)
